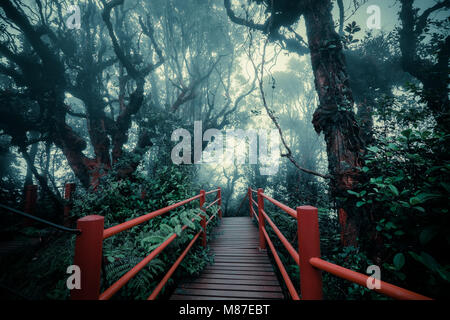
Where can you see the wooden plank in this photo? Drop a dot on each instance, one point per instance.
(246, 263)
(228, 286)
(183, 297)
(243, 287)
(237, 243)
(239, 266)
(239, 272)
(238, 276)
(247, 258)
(232, 266)
(235, 240)
(229, 294)
(240, 253)
(236, 251)
(234, 247)
(237, 255)
(238, 281)
(253, 261)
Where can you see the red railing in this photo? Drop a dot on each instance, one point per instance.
(88, 249)
(308, 255)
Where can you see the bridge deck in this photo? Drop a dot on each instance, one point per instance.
(240, 270)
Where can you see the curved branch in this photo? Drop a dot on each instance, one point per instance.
(275, 121)
(295, 45)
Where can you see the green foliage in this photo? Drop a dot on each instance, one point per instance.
(44, 276)
(120, 200)
(349, 37)
(406, 195)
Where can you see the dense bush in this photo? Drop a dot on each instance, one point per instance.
(406, 197)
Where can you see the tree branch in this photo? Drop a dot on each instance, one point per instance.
(275, 121)
(292, 45)
(422, 20)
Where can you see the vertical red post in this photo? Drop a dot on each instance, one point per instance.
(219, 195)
(203, 222)
(30, 202)
(309, 247)
(68, 192)
(30, 198)
(250, 201)
(88, 257)
(143, 194)
(262, 239)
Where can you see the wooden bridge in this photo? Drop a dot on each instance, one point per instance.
(241, 270)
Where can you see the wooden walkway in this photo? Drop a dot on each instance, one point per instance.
(240, 270)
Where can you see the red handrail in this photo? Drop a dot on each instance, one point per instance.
(387, 289)
(308, 256)
(134, 222)
(88, 249)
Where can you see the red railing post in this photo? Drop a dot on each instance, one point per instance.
(69, 189)
(30, 202)
(88, 257)
(262, 239)
(30, 198)
(143, 193)
(203, 222)
(219, 195)
(309, 247)
(250, 201)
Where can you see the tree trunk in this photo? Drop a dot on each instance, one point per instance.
(335, 116)
(364, 115)
(33, 152)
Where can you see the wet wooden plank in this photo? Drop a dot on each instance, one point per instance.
(238, 281)
(229, 293)
(244, 287)
(238, 272)
(233, 269)
(240, 269)
(183, 297)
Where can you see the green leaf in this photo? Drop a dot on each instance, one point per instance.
(178, 230)
(429, 261)
(359, 204)
(394, 189)
(446, 186)
(419, 209)
(422, 197)
(373, 149)
(401, 275)
(407, 133)
(399, 261)
(428, 234)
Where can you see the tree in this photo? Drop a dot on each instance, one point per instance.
(61, 62)
(429, 64)
(334, 116)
